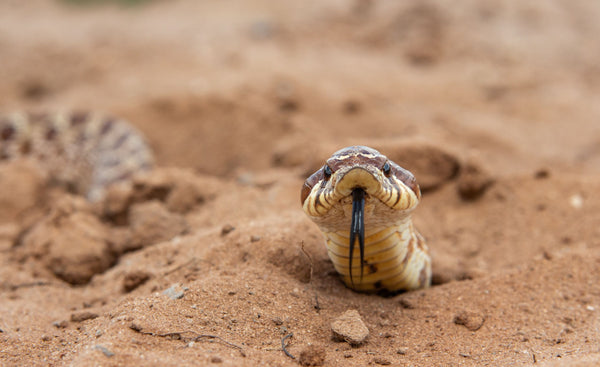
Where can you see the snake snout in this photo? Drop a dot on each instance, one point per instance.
(358, 178)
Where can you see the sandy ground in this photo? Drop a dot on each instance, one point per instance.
(210, 260)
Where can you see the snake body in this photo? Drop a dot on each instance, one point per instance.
(86, 151)
(362, 200)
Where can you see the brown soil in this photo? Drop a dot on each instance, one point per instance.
(210, 260)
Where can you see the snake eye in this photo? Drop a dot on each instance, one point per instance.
(327, 172)
(386, 169)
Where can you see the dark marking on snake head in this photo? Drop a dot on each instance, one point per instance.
(354, 156)
(406, 177)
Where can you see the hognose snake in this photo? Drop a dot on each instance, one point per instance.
(359, 197)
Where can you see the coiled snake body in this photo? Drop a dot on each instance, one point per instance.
(361, 199)
(85, 151)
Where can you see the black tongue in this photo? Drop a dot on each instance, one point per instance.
(357, 228)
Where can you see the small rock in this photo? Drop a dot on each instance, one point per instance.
(277, 321)
(406, 303)
(104, 350)
(576, 201)
(382, 361)
(402, 351)
(228, 228)
(541, 173)
(46, 338)
(174, 292)
(254, 238)
(216, 359)
(82, 316)
(470, 320)
(349, 327)
(60, 324)
(312, 356)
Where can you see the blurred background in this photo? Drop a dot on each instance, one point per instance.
(232, 86)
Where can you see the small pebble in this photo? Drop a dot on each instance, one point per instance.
(82, 316)
(60, 324)
(254, 238)
(104, 350)
(349, 327)
(470, 320)
(174, 292)
(216, 360)
(576, 201)
(228, 228)
(382, 361)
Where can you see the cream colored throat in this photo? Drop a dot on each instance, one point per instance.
(393, 259)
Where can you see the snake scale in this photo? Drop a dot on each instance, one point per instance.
(360, 199)
(87, 152)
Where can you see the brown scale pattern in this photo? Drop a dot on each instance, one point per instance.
(83, 150)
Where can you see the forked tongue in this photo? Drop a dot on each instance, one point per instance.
(357, 228)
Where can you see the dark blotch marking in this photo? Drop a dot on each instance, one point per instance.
(25, 147)
(50, 133)
(78, 118)
(107, 125)
(372, 268)
(7, 132)
(378, 285)
(120, 140)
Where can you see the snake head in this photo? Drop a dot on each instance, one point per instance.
(359, 167)
(359, 190)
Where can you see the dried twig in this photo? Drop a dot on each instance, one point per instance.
(179, 336)
(310, 260)
(283, 346)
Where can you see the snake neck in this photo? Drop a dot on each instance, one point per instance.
(395, 257)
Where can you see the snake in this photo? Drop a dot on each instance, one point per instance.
(361, 199)
(84, 151)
